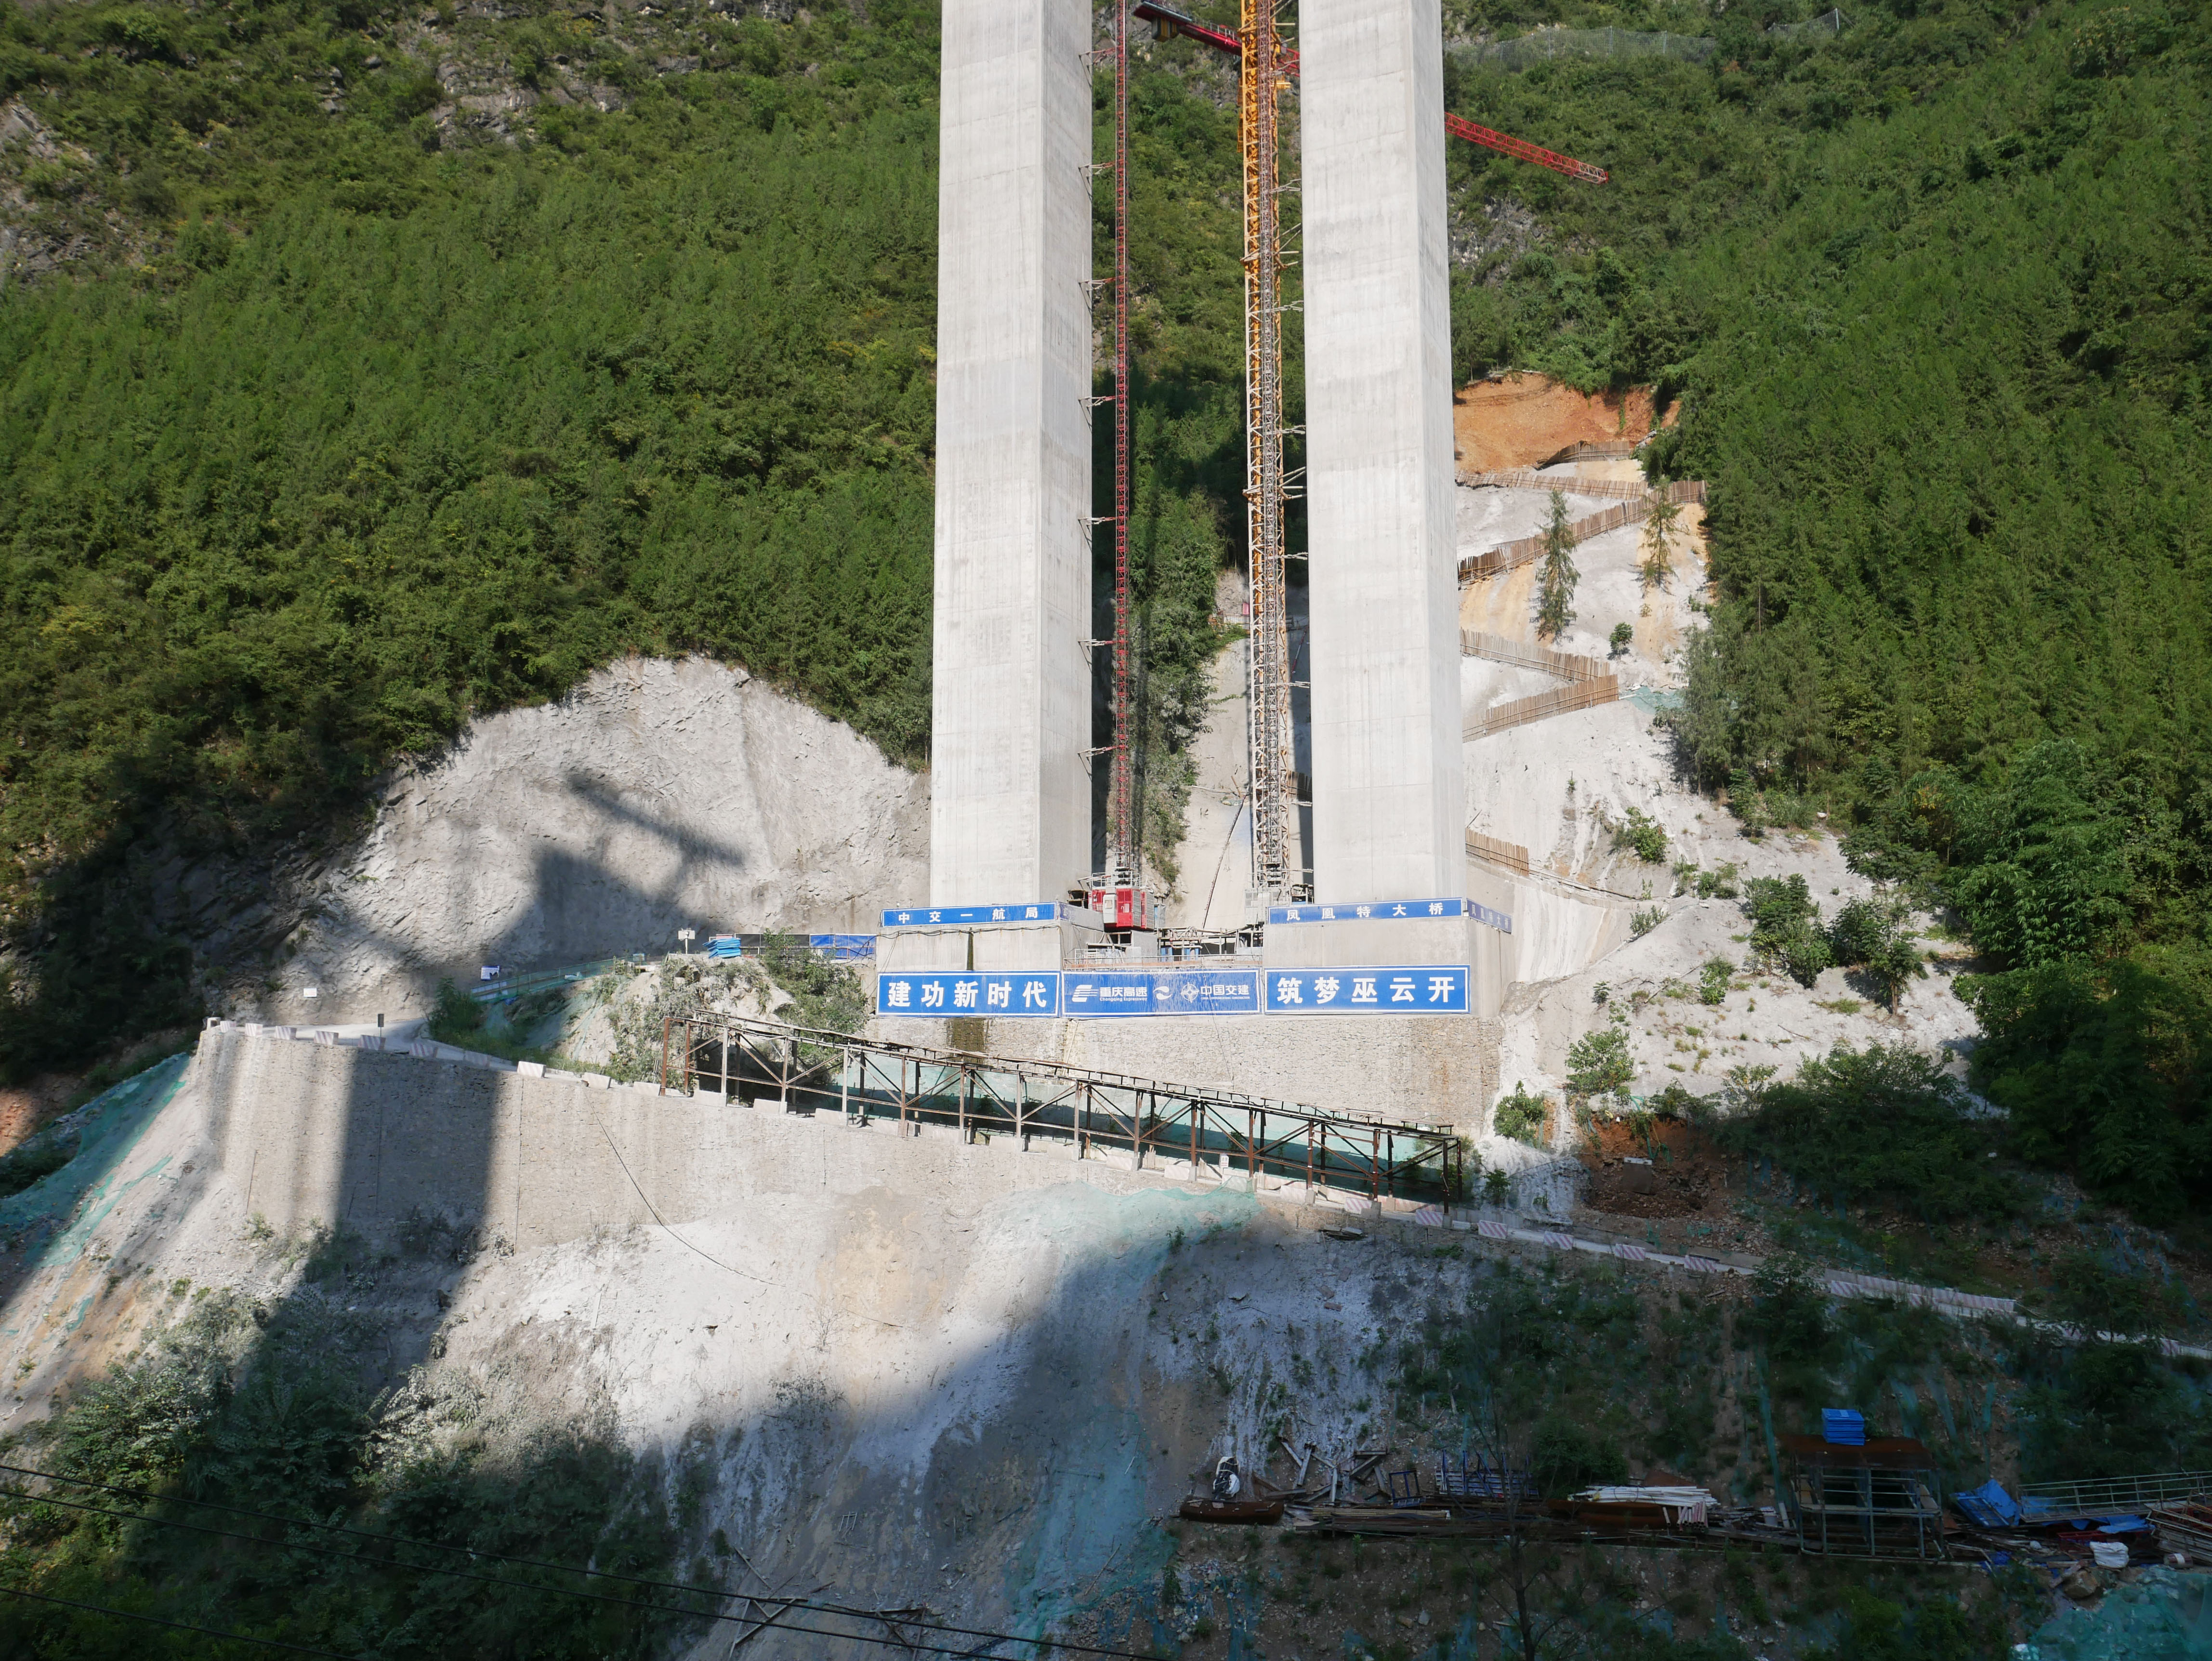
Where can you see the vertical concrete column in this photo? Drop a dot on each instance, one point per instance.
(1388, 811)
(1010, 801)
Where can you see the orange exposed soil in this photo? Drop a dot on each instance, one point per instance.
(23, 1109)
(1522, 419)
(1682, 1175)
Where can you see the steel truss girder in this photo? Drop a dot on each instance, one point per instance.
(868, 1080)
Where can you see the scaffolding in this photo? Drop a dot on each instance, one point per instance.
(1122, 851)
(1200, 1134)
(1881, 1498)
(1276, 872)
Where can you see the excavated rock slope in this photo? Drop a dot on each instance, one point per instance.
(659, 795)
(896, 1370)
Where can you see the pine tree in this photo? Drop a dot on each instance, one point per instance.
(1556, 576)
(1658, 543)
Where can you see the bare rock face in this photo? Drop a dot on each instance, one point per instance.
(656, 796)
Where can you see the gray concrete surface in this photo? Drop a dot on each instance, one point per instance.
(1430, 1069)
(906, 1369)
(1386, 772)
(1010, 815)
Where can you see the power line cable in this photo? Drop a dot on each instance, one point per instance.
(174, 1626)
(844, 1611)
(663, 1222)
(779, 1618)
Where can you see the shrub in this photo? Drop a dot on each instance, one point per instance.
(1645, 835)
(1717, 884)
(1622, 635)
(2102, 1070)
(1598, 1062)
(40, 1157)
(2086, 1289)
(1870, 935)
(455, 1017)
(1520, 1116)
(1642, 922)
(1568, 1454)
(1882, 1123)
(1789, 1314)
(1713, 981)
(1786, 927)
(825, 995)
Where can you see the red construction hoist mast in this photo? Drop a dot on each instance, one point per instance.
(1265, 69)
(1122, 852)
(1267, 647)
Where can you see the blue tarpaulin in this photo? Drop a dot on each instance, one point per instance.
(1989, 1506)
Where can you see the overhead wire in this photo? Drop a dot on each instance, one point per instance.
(765, 1600)
(174, 1626)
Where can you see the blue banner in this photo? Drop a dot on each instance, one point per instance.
(1108, 992)
(1181, 990)
(998, 993)
(941, 916)
(1427, 990)
(1368, 911)
(1497, 920)
(843, 947)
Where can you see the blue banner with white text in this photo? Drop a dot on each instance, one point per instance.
(1181, 990)
(998, 993)
(945, 917)
(1435, 989)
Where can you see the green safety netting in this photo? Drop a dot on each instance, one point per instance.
(2163, 1616)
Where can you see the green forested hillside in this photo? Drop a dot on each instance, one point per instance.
(357, 407)
(361, 369)
(1937, 295)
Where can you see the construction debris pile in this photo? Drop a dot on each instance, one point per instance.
(2083, 1533)
(1842, 1494)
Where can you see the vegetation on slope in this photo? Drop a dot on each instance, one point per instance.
(1936, 297)
(252, 1438)
(362, 409)
(409, 367)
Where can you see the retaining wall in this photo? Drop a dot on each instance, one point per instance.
(330, 1133)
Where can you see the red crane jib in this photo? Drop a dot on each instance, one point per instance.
(1460, 127)
(1171, 23)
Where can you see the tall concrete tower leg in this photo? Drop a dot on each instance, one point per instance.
(1387, 811)
(1010, 805)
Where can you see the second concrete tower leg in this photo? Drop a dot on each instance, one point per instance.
(1387, 810)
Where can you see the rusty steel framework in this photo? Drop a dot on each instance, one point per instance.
(1122, 851)
(1261, 82)
(1212, 1132)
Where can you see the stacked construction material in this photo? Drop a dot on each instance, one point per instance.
(1668, 1506)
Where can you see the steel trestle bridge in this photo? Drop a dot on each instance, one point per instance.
(1216, 1132)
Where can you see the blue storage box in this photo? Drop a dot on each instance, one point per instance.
(1842, 1428)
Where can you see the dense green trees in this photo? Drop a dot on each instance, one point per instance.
(1936, 297)
(369, 422)
(357, 419)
